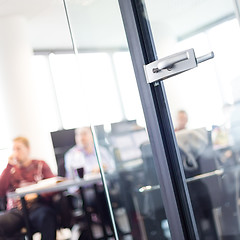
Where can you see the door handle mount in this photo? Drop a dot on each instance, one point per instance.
(169, 62)
(172, 65)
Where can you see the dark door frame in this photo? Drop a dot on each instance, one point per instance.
(166, 155)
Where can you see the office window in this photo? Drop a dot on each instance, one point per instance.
(86, 89)
(85, 84)
(227, 61)
(47, 103)
(199, 85)
(128, 87)
(212, 78)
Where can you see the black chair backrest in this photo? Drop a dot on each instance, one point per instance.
(3, 203)
(152, 204)
(148, 163)
(62, 141)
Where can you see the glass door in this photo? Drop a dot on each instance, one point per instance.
(190, 165)
(104, 97)
(203, 104)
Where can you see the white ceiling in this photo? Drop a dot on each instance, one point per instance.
(184, 17)
(97, 23)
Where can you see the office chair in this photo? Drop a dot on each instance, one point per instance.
(101, 136)
(19, 235)
(97, 213)
(3, 203)
(206, 193)
(152, 207)
(62, 141)
(22, 233)
(123, 126)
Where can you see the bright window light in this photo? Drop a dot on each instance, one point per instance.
(48, 103)
(128, 87)
(86, 89)
(217, 80)
(227, 58)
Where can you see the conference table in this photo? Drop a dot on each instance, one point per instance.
(56, 184)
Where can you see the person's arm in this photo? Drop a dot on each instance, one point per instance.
(46, 171)
(6, 176)
(5, 180)
(67, 164)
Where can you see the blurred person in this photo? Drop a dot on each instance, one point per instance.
(181, 120)
(21, 171)
(83, 155)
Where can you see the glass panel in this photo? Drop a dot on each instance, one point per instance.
(204, 105)
(104, 93)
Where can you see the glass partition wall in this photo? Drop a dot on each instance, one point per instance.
(104, 97)
(88, 97)
(204, 105)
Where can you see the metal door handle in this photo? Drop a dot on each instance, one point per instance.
(168, 63)
(205, 57)
(172, 65)
(148, 188)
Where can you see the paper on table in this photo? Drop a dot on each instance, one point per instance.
(92, 176)
(41, 184)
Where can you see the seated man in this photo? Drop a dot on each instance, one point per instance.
(21, 171)
(83, 155)
(181, 120)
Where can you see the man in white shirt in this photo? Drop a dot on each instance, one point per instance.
(83, 155)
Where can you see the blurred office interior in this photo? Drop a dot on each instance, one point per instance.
(66, 64)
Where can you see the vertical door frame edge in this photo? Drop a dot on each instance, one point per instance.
(176, 199)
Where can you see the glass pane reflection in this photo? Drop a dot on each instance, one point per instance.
(134, 189)
(111, 91)
(209, 142)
